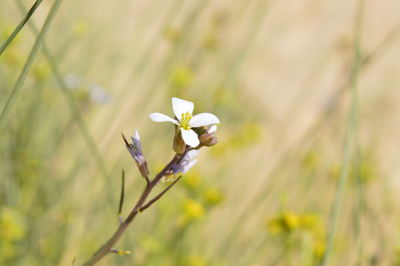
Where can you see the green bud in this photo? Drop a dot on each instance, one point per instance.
(179, 145)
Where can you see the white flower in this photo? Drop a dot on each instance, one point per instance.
(183, 111)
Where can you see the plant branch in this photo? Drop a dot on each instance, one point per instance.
(106, 248)
(121, 200)
(156, 198)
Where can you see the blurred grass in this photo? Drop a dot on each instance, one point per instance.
(350, 145)
(23, 74)
(277, 73)
(19, 26)
(76, 115)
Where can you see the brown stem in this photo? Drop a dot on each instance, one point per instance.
(148, 204)
(106, 248)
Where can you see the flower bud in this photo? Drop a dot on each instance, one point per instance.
(206, 136)
(179, 145)
(208, 139)
(135, 149)
(142, 165)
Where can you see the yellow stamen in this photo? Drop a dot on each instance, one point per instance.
(184, 123)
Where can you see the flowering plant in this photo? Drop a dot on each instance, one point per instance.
(186, 122)
(191, 134)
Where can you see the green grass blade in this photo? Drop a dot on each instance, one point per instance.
(23, 74)
(19, 26)
(349, 148)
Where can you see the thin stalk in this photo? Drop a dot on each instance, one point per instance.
(359, 183)
(359, 210)
(350, 135)
(23, 74)
(156, 198)
(19, 26)
(121, 199)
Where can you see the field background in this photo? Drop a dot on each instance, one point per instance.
(308, 97)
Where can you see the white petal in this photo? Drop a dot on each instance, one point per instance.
(181, 106)
(136, 134)
(189, 165)
(190, 138)
(203, 119)
(158, 117)
(191, 154)
(213, 129)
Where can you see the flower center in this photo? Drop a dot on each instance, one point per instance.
(184, 122)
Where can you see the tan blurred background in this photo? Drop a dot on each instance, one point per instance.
(278, 75)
